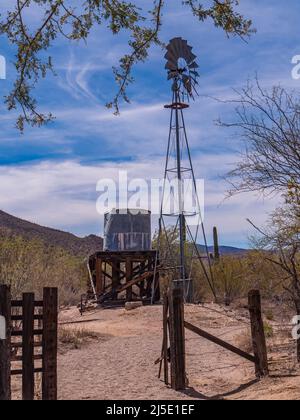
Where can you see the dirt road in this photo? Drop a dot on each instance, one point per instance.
(120, 363)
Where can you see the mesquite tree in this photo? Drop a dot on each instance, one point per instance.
(269, 122)
(281, 240)
(75, 20)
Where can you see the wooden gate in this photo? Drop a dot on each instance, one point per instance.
(31, 329)
(173, 348)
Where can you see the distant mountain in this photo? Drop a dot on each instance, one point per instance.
(10, 225)
(224, 250)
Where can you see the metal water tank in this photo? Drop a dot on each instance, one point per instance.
(127, 230)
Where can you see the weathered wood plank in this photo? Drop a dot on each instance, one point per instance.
(19, 333)
(115, 277)
(165, 339)
(19, 345)
(17, 372)
(99, 277)
(5, 352)
(50, 325)
(258, 334)
(20, 358)
(177, 339)
(27, 347)
(20, 317)
(128, 279)
(19, 303)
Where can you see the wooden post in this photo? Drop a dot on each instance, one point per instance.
(99, 277)
(5, 345)
(177, 339)
(115, 276)
(156, 280)
(165, 339)
(28, 347)
(128, 270)
(50, 322)
(258, 334)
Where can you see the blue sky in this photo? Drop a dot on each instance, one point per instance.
(49, 175)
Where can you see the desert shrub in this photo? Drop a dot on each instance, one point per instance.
(30, 265)
(244, 342)
(230, 275)
(233, 275)
(269, 315)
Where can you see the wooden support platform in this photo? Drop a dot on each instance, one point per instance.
(124, 275)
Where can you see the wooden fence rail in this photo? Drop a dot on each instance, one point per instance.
(35, 334)
(219, 342)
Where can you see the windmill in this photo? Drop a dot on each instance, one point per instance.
(187, 225)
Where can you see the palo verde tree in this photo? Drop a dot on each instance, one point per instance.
(75, 20)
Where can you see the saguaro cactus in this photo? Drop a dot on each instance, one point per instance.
(216, 245)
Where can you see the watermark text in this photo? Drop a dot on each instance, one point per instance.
(296, 68)
(2, 67)
(166, 196)
(296, 328)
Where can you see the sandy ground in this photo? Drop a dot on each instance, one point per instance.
(119, 364)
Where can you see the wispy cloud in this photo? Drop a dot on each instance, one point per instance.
(63, 195)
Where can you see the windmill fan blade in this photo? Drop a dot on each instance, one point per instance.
(183, 47)
(170, 66)
(171, 57)
(192, 57)
(194, 80)
(193, 65)
(176, 44)
(195, 73)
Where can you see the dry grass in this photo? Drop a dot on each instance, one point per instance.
(75, 338)
(269, 332)
(244, 342)
(269, 314)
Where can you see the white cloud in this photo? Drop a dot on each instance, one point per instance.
(63, 195)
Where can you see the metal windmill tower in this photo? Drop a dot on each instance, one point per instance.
(177, 246)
